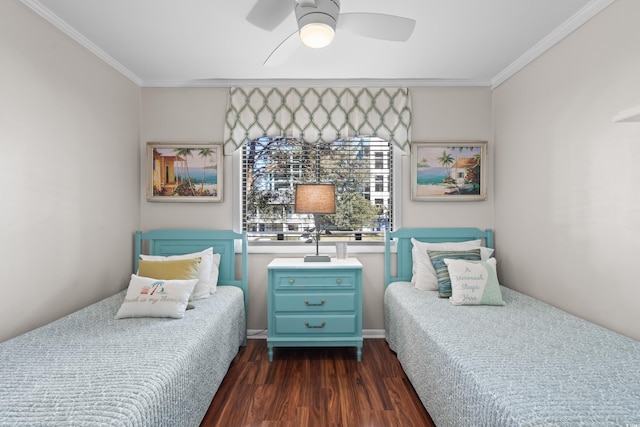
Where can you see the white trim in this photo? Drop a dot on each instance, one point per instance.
(257, 334)
(372, 333)
(329, 249)
(569, 26)
(336, 83)
(629, 115)
(44, 12)
(396, 206)
(306, 249)
(262, 334)
(236, 190)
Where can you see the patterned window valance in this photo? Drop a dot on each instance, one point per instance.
(317, 114)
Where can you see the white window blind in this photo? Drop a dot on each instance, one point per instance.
(360, 168)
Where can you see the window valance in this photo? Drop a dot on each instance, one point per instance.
(317, 114)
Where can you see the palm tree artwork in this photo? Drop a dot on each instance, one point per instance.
(450, 169)
(205, 153)
(447, 160)
(186, 153)
(184, 172)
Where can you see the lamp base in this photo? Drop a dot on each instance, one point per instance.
(317, 258)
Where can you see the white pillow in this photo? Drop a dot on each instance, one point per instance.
(203, 288)
(215, 270)
(147, 297)
(424, 275)
(474, 282)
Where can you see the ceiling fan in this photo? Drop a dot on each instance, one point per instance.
(317, 21)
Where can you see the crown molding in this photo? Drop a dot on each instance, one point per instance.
(569, 26)
(213, 83)
(629, 115)
(44, 12)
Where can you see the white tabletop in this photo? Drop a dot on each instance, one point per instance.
(300, 263)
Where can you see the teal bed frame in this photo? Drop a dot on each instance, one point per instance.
(401, 241)
(168, 242)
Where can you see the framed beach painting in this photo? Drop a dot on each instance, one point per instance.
(184, 172)
(444, 171)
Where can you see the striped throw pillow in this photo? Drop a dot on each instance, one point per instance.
(442, 272)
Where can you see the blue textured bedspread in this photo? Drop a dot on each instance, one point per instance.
(88, 369)
(523, 364)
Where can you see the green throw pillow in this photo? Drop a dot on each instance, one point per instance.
(437, 259)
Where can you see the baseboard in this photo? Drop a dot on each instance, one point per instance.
(257, 334)
(373, 333)
(262, 334)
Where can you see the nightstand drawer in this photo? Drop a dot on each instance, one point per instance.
(318, 324)
(316, 279)
(324, 301)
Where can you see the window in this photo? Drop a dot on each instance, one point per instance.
(379, 156)
(360, 168)
(379, 183)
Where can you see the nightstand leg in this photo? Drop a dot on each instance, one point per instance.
(359, 353)
(270, 353)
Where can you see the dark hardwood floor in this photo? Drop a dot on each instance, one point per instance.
(316, 387)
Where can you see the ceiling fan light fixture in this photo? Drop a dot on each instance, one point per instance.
(317, 21)
(316, 35)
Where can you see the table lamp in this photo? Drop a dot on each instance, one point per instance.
(316, 199)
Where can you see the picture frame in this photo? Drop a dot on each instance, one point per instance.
(449, 171)
(184, 172)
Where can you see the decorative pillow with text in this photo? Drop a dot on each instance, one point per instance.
(474, 282)
(147, 297)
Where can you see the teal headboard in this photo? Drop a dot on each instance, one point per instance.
(399, 242)
(178, 242)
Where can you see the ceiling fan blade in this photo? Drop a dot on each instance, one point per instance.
(268, 14)
(377, 25)
(283, 51)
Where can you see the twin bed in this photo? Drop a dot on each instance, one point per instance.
(89, 369)
(524, 363)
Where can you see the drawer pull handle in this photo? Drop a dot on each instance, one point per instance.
(338, 281)
(315, 326)
(306, 302)
(291, 281)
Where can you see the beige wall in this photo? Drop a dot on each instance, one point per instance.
(197, 115)
(70, 182)
(567, 205)
(564, 206)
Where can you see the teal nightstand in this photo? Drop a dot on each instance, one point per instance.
(315, 304)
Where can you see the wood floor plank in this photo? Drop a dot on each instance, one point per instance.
(316, 387)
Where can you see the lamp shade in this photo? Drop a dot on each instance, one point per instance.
(315, 198)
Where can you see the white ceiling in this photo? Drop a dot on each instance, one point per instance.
(210, 43)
